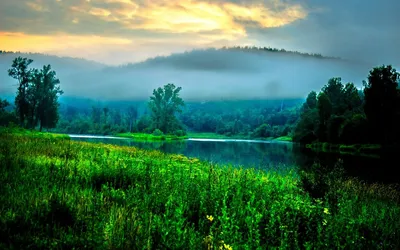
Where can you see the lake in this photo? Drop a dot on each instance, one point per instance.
(261, 155)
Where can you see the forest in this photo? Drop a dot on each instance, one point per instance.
(339, 113)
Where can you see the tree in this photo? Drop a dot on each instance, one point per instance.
(334, 92)
(3, 105)
(352, 99)
(6, 117)
(20, 71)
(44, 92)
(132, 116)
(164, 103)
(312, 100)
(381, 102)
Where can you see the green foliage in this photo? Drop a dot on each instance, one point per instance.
(262, 131)
(164, 103)
(242, 119)
(382, 101)
(349, 116)
(37, 96)
(157, 132)
(21, 72)
(6, 117)
(306, 129)
(311, 100)
(180, 132)
(61, 194)
(151, 137)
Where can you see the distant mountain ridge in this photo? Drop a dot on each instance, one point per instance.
(235, 73)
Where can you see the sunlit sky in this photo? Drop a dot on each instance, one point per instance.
(121, 31)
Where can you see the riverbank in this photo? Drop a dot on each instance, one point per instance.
(16, 131)
(151, 137)
(58, 193)
(193, 135)
(371, 150)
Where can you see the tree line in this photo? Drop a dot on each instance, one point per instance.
(339, 113)
(36, 101)
(342, 114)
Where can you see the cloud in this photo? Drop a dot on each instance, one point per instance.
(228, 19)
(355, 29)
(358, 30)
(196, 22)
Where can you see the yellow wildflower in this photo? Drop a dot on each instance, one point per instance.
(326, 210)
(210, 218)
(226, 246)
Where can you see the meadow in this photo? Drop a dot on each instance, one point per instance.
(62, 194)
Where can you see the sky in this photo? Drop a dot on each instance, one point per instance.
(121, 31)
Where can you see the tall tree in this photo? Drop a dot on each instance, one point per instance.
(312, 100)
(352, 99)
(381, 102)
(334, 92)
(48, 112)
(20, 71)
(164, 103)
(44, 92)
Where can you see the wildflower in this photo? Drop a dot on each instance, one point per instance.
(226, 246)
(324, 222)
(326, 210)
(210, 218)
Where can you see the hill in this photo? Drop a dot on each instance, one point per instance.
(209, 74)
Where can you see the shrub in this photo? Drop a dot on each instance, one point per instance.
(157, 132)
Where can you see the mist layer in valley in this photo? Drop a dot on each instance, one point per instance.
(203, 74)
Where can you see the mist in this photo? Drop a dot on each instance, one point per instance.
(203, 75)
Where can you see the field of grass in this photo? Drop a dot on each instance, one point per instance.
(62, 194)
(151, 137)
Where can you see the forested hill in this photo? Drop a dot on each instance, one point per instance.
(210, 74)
(222, 58)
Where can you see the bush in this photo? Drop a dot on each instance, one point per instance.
(157, 132)
(180, 132)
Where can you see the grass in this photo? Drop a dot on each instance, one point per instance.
(151, 137)
(16, 131)
(219, 136)
(284, 138)
(62, 194)
(205, 135)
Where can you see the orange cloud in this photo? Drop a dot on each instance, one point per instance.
(189, 16)
(42, 43)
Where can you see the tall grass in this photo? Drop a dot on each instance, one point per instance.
(62, 194)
